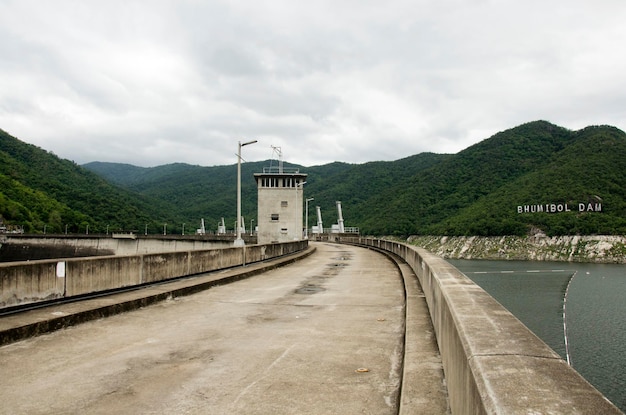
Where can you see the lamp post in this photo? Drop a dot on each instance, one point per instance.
(251, 226)
(298, 207)
(306, 218)
(183, 229)
(238, 240)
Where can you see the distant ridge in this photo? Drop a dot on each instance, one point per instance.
(474, 192)
(39, 192)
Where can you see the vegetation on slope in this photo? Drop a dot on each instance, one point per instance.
(474, 192)
(40, 191)
(197, 192)
(590, 169)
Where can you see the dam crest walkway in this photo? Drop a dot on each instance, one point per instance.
(342, 330)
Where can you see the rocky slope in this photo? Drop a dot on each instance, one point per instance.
(600, 249)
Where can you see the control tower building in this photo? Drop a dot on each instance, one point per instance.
(280, 201)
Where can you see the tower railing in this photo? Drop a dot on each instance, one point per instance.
(279, 170)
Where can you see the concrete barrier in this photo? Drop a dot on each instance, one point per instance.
(94, 274)
(29, 282)
(36, 281)
(36, 247)
(493, 364)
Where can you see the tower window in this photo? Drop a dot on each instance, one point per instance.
(274, 217)
(269, 182)
(284, 203)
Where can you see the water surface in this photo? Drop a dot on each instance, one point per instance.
(595, 312)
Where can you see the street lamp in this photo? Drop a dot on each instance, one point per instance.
(251, 226)
(183, 229)
(238, 240)
(298, 207)
(306, 218)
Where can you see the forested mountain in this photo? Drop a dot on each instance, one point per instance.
(474, 192)
(38, 191)
(197, 192)
(209, 192)
(589, 170)
(477, 192)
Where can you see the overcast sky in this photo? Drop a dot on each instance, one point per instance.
(150, 82)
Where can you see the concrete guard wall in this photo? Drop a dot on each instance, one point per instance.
(493, 363)
(36, 281)
(83, 245)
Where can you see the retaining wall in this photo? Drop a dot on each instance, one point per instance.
(493, 364)
(35, 281)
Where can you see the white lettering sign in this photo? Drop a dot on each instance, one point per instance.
(559, 207)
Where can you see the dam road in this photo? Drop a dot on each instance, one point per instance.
(324, 335)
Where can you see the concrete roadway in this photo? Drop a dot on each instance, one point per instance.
(324, 335)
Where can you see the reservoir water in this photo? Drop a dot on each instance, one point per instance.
(595, 312)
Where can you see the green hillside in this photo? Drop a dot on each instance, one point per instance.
(474, 192)
(209, 192)
(591, 169)
(360, 187)
(38, 191)
(197, 192)
(477, 191)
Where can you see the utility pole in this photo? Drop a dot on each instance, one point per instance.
(238, 240)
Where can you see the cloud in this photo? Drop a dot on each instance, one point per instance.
(154, 82)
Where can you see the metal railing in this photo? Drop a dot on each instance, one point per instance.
(280, 170)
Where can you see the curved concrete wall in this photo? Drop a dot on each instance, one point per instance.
(34, 281)
(493, 364)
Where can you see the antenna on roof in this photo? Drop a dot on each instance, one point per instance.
(279, 153)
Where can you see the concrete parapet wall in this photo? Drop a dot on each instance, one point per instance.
(29, 282)
(34, 247)
(36, 281)
(493, 364)
(160, 267)
(93, 274)
(210, 260)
